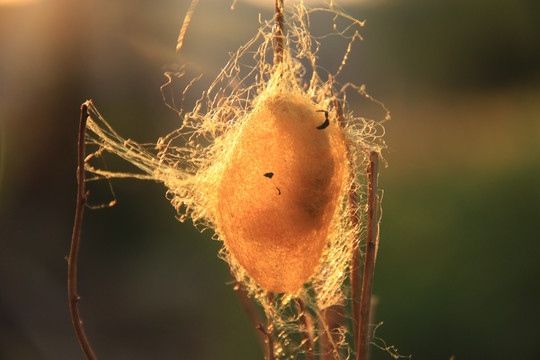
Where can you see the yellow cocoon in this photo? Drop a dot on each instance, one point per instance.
(279, 191)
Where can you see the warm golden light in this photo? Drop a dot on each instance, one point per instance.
(18, 2)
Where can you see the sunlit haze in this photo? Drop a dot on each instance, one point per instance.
(18, 2)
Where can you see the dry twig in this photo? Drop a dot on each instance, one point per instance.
(369, 261)
(76, 240)
(331, 319)
(251, 310)
(269, 341)
(306, 327)
(278, 32)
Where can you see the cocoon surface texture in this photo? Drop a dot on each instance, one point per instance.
(279, 190)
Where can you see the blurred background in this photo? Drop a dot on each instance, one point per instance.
(458, 268)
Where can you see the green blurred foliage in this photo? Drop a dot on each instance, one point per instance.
(457, 271)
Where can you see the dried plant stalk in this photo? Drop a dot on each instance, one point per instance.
(307, 329)
(331, 321)
(369, 261)
(269, 341)
(251, 311)
(76, 241)
(278, 32)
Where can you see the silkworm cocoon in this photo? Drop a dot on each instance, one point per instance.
(279, 191)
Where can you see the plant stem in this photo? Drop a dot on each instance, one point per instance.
(250, 310)
(306, 329)
(269, 341)
(369, 261)
(331, 319)
(278, 32)
(76, 240)
(185, 25)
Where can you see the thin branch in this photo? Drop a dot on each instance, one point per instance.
(76, 240)
(369, 262)
(269, 341)
(185, 24)
(331, 319)
(278, 32)
(306, 333)
(250, 310)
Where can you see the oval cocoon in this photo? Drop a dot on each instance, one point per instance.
(279, 191)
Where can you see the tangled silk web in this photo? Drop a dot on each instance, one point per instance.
(267, 159)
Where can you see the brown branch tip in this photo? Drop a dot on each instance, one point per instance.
(76, 240)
